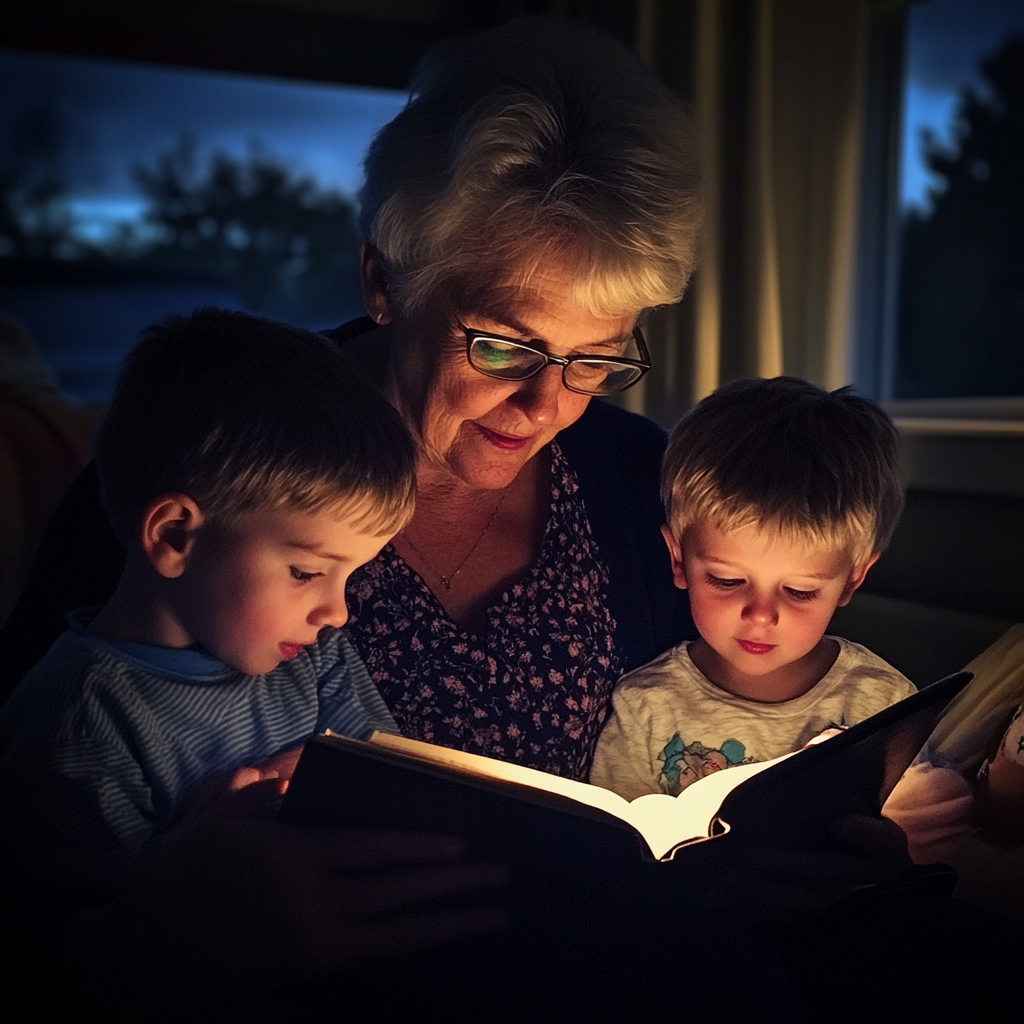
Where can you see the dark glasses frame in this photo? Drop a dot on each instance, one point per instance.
(643, 364)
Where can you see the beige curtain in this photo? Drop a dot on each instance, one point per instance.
(777, 89)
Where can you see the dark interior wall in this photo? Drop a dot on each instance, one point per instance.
(331, 40)
(960, 551)
(948, 587)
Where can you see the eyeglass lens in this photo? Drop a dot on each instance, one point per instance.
(508, 361)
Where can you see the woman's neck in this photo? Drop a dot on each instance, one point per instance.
(479, 541)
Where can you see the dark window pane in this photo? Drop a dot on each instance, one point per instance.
(961, 302)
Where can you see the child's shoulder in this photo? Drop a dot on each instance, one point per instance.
(856, 663)
(60, 702)
(85, 682)
(331, 658)
(667, 670)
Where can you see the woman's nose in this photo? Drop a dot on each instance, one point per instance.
(538, 396)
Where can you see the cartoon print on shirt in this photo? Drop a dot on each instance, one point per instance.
(684, 763)
(1013, 744)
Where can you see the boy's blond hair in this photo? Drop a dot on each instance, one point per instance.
(789, 458)
(244, 414)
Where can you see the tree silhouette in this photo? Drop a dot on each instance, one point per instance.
(961, 315)
(35, 222)
(283, 244)
(286, 246)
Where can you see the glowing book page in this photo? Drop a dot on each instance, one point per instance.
(665, 822)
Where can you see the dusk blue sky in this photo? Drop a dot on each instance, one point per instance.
(944, 41)
(122, 114)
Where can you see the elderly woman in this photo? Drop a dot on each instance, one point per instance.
(535, 196)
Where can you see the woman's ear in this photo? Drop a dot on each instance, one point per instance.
(169, 527)
(676, 554)
(857, 575)
(374, 282)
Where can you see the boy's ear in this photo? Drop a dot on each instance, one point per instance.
(676, 554)
(374, 282)
(168, 532)
(857, 575)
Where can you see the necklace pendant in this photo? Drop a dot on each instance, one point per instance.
(446, 582)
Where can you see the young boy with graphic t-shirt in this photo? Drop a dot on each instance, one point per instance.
(779, 497)
(248, 472)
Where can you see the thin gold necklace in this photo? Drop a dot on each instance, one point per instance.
(446, 581)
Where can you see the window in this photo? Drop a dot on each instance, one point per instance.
(960, 313)
(945, 317)
(940, 290)
(130, 191)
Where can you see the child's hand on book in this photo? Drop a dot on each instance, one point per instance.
(263, 788)
(265, 785)
(281, 765)
(827, 734)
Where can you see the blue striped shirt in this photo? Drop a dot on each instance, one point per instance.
(102, 741)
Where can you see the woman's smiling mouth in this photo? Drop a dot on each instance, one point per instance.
(506, 442)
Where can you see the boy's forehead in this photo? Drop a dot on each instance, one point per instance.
(309, 530)
(755, 542)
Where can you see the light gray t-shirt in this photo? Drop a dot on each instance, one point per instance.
(671, 725)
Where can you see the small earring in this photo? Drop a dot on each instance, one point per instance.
(379, 318)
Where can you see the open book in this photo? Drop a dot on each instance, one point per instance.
(499, 807)
(664, 822)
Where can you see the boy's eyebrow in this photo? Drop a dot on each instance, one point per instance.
(712, 560)
(315, 549)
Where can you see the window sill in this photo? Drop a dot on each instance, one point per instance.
(1007, 409)
(936, 426)
(984, 457)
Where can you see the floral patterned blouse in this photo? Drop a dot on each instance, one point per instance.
(535, 687)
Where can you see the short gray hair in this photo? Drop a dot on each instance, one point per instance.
(539, 140)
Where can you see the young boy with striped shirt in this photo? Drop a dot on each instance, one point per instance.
(248, 471)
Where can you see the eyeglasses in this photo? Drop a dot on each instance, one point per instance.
(506, 359)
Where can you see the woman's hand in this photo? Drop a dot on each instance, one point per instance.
(239, 905)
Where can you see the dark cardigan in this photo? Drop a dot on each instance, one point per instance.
(617, 458)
